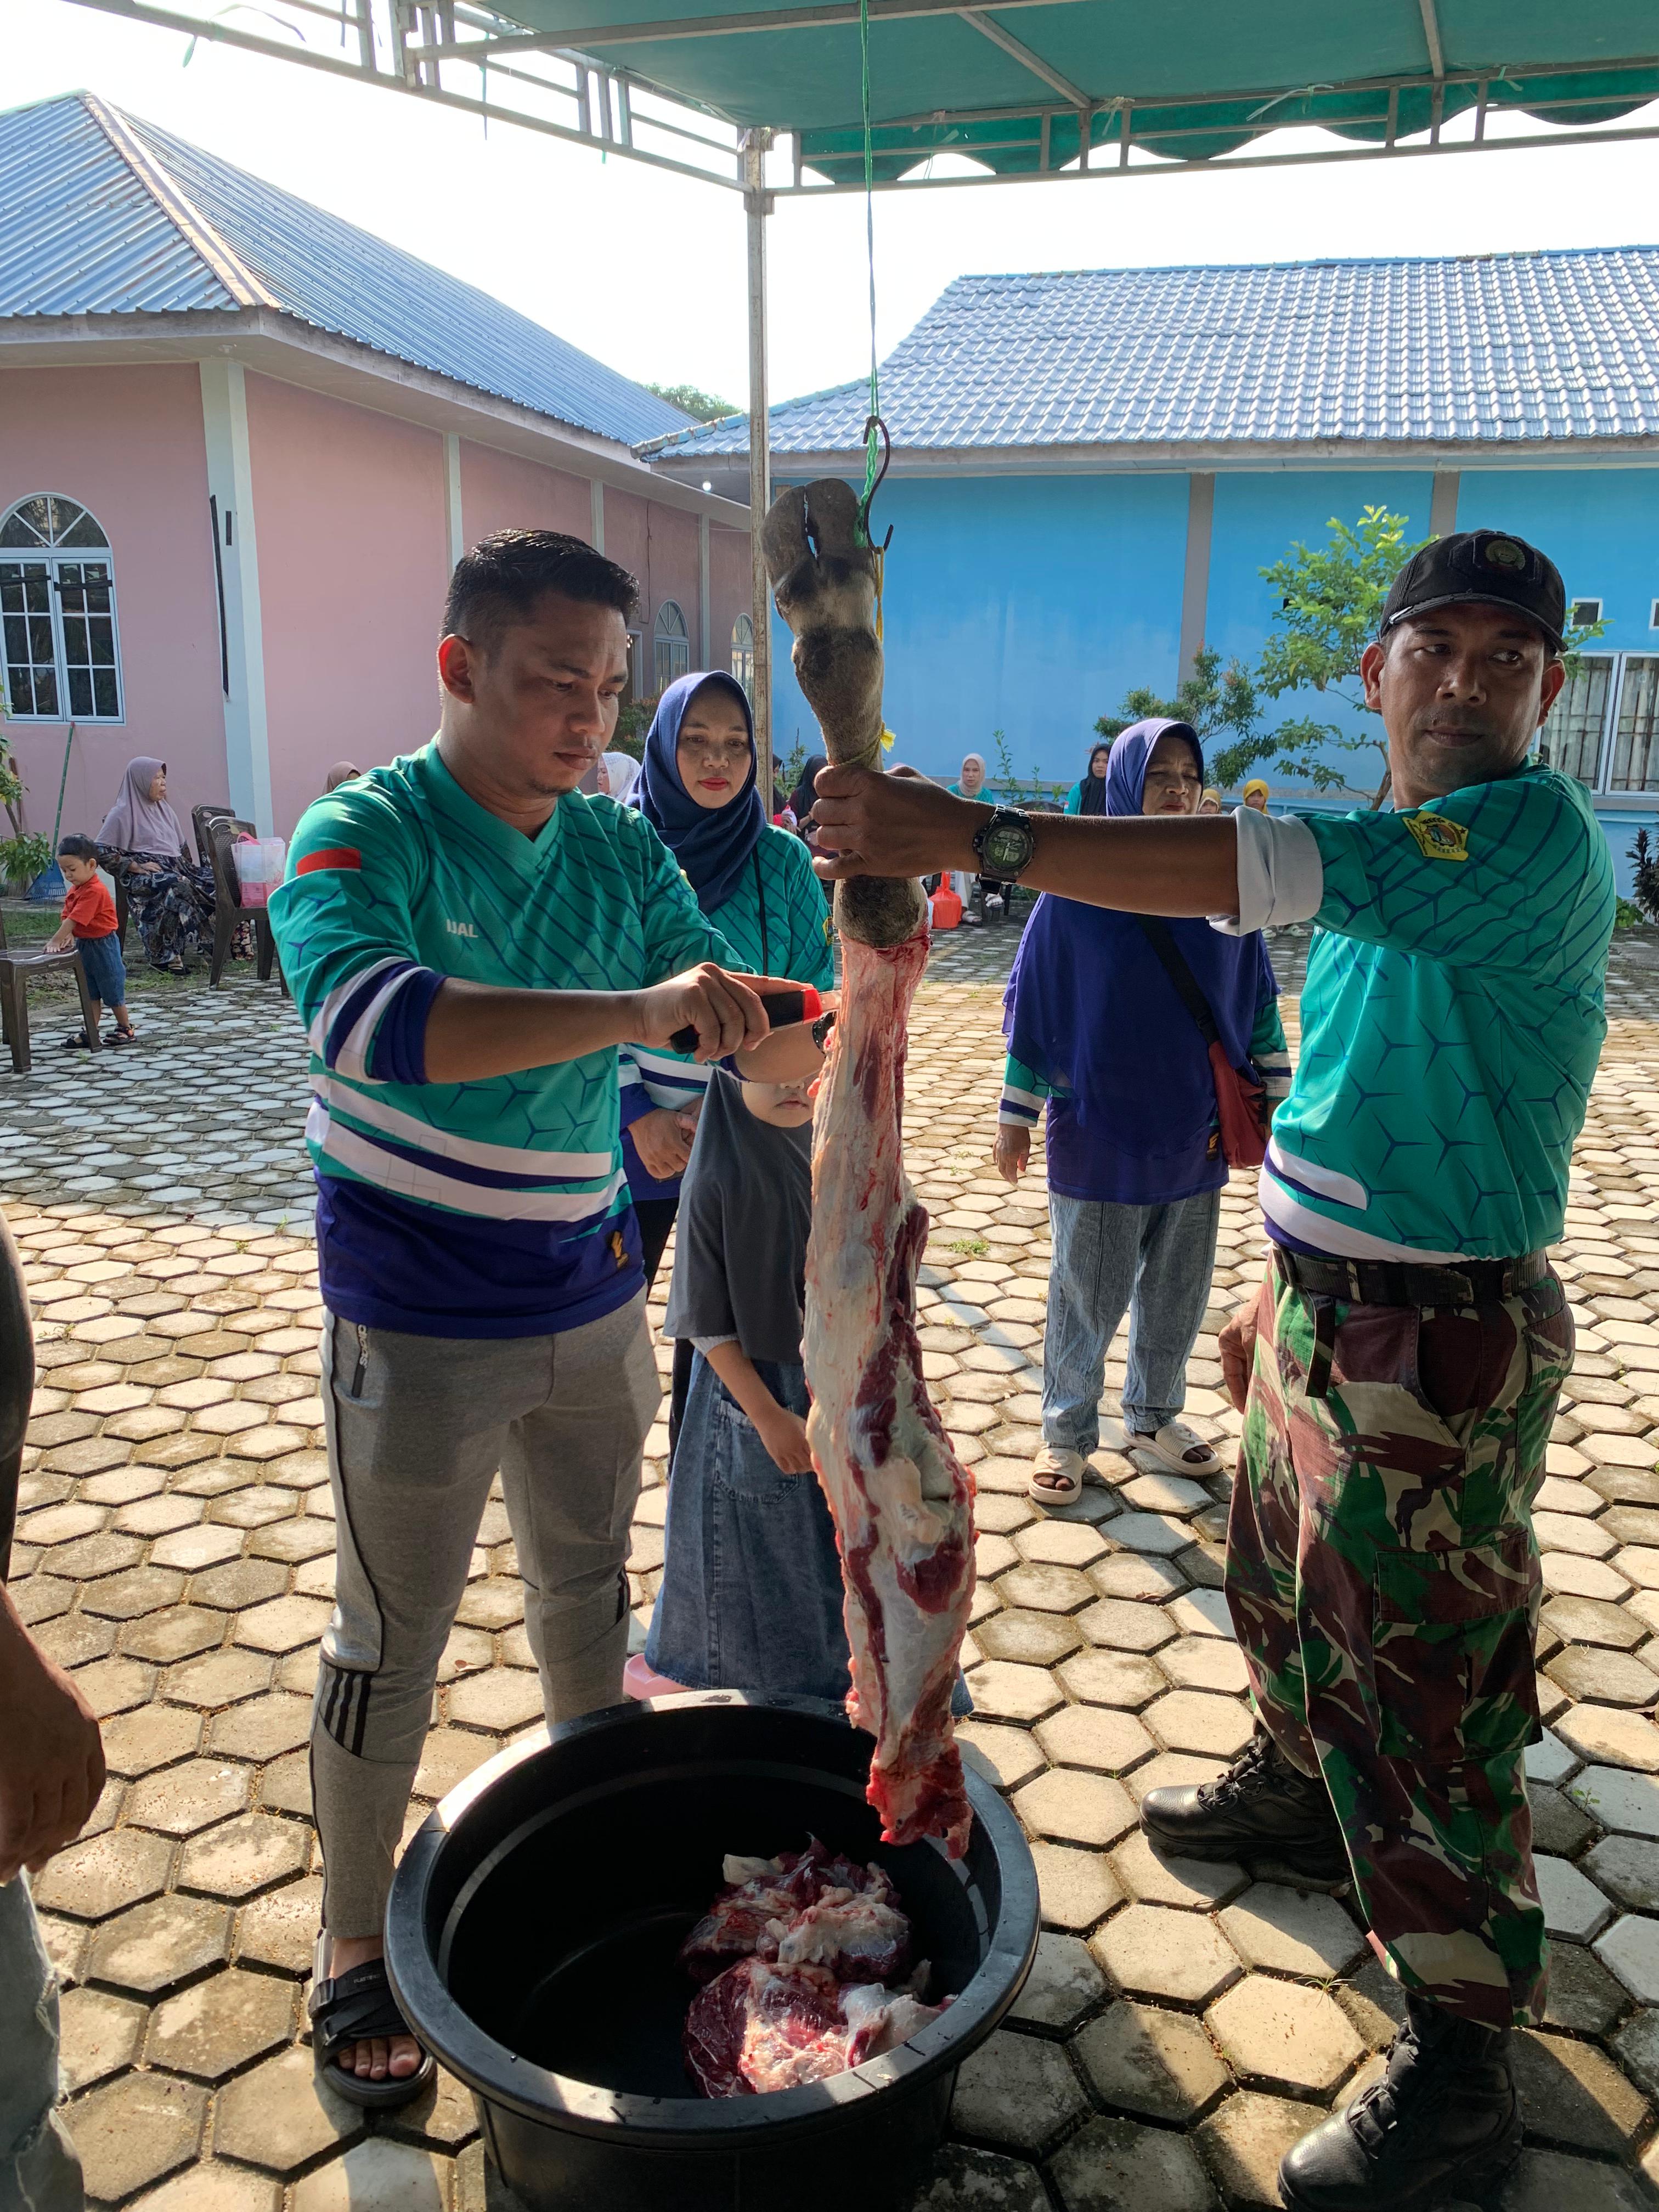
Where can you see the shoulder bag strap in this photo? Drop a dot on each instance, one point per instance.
(1188, 987)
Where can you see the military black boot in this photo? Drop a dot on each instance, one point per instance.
(1442, 2124)
(1262, 1807)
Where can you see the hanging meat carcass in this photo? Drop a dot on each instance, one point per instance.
(902, 1501)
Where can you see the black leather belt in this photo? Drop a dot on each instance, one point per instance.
(1396, 1283)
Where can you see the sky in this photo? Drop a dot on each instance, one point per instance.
(645, 270)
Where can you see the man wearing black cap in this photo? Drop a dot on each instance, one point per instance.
(1398, 1372)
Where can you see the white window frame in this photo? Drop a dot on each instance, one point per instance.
(1584, 622)
(1653, 615)
(1619, 667)
(670, 642)
(743, 654)
(54, 557)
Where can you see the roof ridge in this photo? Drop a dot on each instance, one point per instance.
(174, 203)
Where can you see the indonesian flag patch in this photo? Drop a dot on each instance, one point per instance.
(328, 856)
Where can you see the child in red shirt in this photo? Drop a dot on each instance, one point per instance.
(90, 925)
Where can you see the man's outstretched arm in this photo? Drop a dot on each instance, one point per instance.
(899, 825)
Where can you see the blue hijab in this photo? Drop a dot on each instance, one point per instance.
(712, 844)
(1090, 1009)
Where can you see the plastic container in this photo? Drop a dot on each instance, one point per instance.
(259, 862)
(532, 1933)
(946, 911)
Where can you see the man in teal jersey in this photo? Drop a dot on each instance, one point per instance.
(1399, 1370)
(469, 938)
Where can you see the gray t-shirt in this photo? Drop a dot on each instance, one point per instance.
(740, 1238)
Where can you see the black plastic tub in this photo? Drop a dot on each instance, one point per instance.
(531, 1936)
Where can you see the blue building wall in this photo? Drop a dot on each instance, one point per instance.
(1032, 604)
(1025, 603)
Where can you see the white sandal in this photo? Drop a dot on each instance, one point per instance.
(1171, 1446)
(1065, 1471)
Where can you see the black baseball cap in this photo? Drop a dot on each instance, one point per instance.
(1489, 567)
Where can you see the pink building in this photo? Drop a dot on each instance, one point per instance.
(241, 445)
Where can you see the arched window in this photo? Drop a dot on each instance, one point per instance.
(58, 610)
(672, 647)
(742, 655)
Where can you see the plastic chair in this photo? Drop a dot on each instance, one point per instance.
(16, 971)
(201, 819)
(228, 909)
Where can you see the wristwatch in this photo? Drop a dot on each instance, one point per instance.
(1005, 844)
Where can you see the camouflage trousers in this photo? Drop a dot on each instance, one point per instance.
(1382, 1578)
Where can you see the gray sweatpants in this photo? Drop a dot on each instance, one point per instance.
(418, 1426)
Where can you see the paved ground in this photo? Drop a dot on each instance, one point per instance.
(1184, 2025)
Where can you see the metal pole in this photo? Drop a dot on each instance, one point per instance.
(758, 206)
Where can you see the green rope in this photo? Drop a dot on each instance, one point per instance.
(872, 439)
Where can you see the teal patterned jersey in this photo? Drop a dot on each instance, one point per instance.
(777, 922)
(1451, 1023)
(492, 1207)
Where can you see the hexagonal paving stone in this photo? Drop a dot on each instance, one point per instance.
(104, 1875)
(156, 1736)
(185, 1798)
(279, 2116)
(378, 2176)
(1075, 1887)
(1614, 1677)
(241, 1856)
(159, 1944)
(283, 1624)
(132, 2131)
(1627, 1868)
(1112, 1678)
(138, 1591)
(262, 1728)
(98, 2036)
(178, 1633)
(218, 1678)
(1277, 2032)
(502, 1698)
(1245, 2143)
(279, 1929)
(1592, 1621)
(1551, 2180)
(240, 1583)
(1145, 2060)
(114, 1685)
(1584, 1998)
(1558, 1825)
(962, 2175)
(1188, 1719)
(213, 2186)
(1003, 1691)
(1071, 1807)
(1060, 1543)
(1094, 1737)
(1136, 1575)
(1630, 1949)
(1038, 1588)
(1603, 1732)
(1571, 2094)
(217, 2027)
(1629, 1804)
(1018, 2090)
(1152, 1951)
(1573, 1906)
(1153, 1878)
(1125, 1624)
(1290, 1933)
(1007, 1756)
(1063, 1984)
(285, 1784)
(1111, 2164)
(1033, 1639)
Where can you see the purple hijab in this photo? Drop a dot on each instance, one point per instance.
(1090, 1010)
(138, 824)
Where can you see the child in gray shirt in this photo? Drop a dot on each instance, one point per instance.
(751, 1588)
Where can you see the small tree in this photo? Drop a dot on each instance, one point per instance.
(1644, 881)
(691, 401)
(1223, 703)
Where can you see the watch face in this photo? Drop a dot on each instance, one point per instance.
(1007, 845)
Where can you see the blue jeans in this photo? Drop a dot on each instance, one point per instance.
(1155, 1262)
(39, 2169)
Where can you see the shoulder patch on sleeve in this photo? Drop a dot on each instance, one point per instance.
(328, 856)
(1438, 839)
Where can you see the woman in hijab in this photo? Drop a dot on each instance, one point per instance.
(619, 777)
(1088, 794)
(1210, 802)
(804, 797)
(169, 896)
(756, 884)
(971, 782)
(1096, 1028)
(1255, 794)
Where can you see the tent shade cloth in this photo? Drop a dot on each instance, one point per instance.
(1018, 86)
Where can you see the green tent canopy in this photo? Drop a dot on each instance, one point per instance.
(1017, 87)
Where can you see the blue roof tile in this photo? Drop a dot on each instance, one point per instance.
(1490, 349)
(85, 234)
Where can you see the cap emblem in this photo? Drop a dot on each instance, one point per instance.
(1504, 553)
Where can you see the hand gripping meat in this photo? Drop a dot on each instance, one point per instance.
(902, 1502)
(825, 583)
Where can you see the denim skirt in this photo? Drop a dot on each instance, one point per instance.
(752, 1589)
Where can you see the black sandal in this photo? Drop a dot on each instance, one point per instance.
(354, 2008)
(77, 1042)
